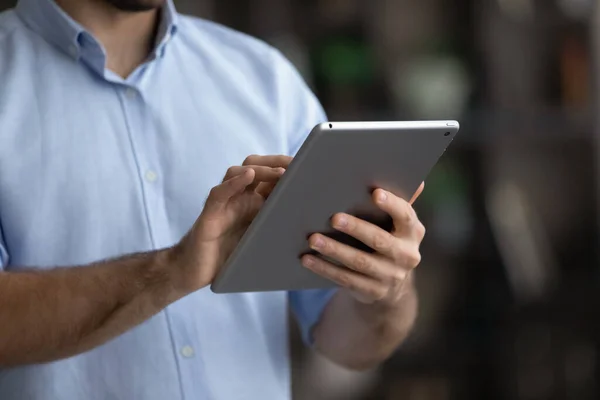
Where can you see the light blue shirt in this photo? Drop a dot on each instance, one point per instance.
(93, 166)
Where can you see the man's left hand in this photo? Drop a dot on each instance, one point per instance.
(377, 277)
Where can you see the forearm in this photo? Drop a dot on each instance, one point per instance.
(52, 314)
(360, 336)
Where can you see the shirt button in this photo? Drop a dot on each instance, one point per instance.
(131, 93)
(151, 176)
(187, 351)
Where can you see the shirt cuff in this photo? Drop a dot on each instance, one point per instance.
(308, 307)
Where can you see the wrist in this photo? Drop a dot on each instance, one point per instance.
(184, 275)
(160, 279)
(388, 308)
(142, 275)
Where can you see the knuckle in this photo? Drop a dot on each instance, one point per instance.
(231, 171)
(342, 278)
(399, 276)
(362, 264)
(213, 192)
(249, 160)
(381, 242)
(376, 293)
(420, 230)
(399, 256)
(407, 258)
(413, 259)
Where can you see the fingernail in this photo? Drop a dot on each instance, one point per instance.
(382, 196)
(308, 261)
(280, 170)
(318, 243)
(341, 222)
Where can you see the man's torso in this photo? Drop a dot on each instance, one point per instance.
(92, 168)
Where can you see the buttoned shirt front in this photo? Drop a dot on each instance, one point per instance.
(94, 166)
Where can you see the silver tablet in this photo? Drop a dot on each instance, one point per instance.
(336, 170)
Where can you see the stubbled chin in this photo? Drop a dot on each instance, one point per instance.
(136, 5)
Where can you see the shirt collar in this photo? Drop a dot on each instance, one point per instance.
(48, 20)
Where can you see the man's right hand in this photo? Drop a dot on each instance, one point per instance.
(229, 210)
(51, 313)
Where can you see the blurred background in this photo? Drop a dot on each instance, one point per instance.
(510, 278)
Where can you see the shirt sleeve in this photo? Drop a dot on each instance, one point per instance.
(301, 111)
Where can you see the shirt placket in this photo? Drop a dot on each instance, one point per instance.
(144, 146)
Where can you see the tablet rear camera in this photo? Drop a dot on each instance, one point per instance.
(447, 134)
